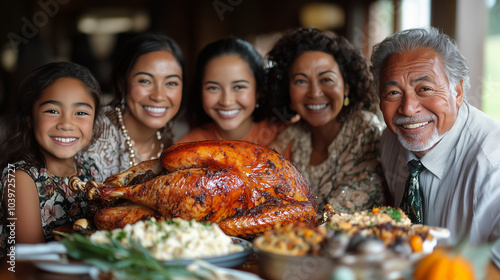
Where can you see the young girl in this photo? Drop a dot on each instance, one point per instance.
(50, 123)
(228, 100)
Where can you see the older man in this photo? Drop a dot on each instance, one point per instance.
(440, 155)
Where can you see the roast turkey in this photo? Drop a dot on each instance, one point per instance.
(244, 187)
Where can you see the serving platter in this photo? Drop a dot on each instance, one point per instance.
(59, 263)
(75, 268)
(230, 260)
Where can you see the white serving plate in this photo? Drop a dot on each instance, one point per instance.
(230, 260)
(64, 268)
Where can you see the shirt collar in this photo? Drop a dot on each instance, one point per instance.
(440, 156)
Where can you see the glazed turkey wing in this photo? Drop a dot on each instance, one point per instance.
(203, 194)
(128, 176)
(118, 216)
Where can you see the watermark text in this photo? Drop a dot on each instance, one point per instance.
(225, 6)
(30, 28)
(11, 217)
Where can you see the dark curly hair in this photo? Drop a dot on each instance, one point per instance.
(226, 46)
(352, 64)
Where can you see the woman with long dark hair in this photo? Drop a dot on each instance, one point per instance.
(228, 100)
(147, 80)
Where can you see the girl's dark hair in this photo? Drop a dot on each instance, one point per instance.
(352, 64)
(19, 143)
(131, 51)
(226, 46)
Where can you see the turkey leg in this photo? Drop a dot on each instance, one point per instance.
(203, 194)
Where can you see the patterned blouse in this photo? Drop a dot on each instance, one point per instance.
(110, 151)
(59, 205)
(351, 178)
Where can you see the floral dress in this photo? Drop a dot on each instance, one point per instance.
(351, 178)
(59, 205)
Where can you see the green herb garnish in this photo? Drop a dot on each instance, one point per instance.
(120, 235)
(127, 262)
(393, 212)
(207, 224)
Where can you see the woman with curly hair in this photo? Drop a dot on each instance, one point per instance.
(326, 81)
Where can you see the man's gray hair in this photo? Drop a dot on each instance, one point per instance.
(455, 65)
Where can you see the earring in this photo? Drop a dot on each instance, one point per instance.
(346, 101)
(257, 105)
(122, 103)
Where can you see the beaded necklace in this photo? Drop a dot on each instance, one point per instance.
(130, 144)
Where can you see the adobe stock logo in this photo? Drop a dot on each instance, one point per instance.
(49, 9)
(221, 7)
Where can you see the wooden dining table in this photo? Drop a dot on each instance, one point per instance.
(25, 270)
(28, 271)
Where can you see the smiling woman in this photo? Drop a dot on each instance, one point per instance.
(228, 100)
(147, 81)
(326, 81)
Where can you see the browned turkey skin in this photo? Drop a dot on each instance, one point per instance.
(244, 187)
(123, 214)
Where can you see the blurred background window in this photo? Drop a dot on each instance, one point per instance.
(416, 13)
(491, 81)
